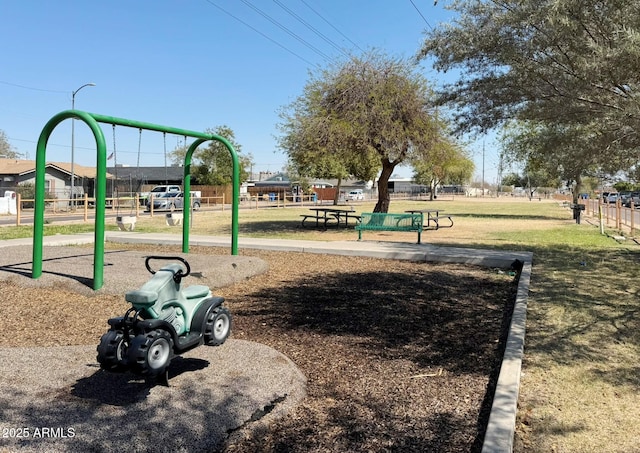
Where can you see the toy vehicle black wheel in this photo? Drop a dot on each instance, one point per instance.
(112, 351)
(218, 326)
(150, 353)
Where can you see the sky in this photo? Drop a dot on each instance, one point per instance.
(190, 64)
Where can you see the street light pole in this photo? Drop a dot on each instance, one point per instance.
(73, 121)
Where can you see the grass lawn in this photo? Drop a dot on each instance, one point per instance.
(581, 376)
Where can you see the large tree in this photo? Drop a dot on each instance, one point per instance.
(572, 63)
(368, 115)
(212, 165)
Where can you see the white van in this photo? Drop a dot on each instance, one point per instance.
(355, 195)
(158, 191)
(163, 189)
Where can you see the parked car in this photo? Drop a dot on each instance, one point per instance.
(355, 195)
(612, 197)
(165, 201)
(634, 197)
(195, 201)
(624, 197)
(157, 191)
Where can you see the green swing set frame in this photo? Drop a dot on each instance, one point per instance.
(92, 120)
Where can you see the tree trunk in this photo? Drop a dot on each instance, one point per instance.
(383, 187)
(577, 189)
(433, 186)
(336, 197)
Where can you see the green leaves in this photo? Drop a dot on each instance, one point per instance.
(567, 70)
(564, 60)
(213, 165)
(370, 113)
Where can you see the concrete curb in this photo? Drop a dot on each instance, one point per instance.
(502, 420)
(386, 250)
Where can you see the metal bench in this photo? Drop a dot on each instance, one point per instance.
(382, 221)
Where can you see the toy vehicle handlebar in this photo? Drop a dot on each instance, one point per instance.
(167, 258)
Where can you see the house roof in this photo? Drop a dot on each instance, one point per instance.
(348, 183)
(16, 167)
(21, 167)
(278, 177)
(282, 179)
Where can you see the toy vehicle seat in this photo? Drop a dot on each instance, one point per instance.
(141, 298)
(195, 291)
(162, 282)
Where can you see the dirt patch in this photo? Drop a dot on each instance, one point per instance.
(398, 355)
(71, 268)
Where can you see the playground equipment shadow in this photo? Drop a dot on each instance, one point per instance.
(215, 392)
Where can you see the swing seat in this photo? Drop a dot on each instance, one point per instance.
(174, 218)
(126, 223)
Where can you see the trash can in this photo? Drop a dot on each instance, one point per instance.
(314, 197)
(577, 210)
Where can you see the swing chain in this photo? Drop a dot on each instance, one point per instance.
(115, 157)
(139, 146)
(114, 195)
(166, 175)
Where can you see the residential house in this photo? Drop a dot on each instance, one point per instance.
(14, 172)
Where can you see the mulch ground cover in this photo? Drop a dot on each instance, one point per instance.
(399, 356)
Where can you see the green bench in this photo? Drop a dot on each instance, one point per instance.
(382, 221)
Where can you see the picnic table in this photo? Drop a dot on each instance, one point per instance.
(432, 219)
(329, 216)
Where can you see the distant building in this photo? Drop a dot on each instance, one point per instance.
(57, 180)
(453, 188)
(141, 179)
(477, 192)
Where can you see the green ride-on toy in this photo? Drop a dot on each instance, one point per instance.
(164, 320)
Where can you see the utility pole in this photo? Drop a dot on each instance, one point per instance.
(499, 181)
(73, 176)
(483, 168)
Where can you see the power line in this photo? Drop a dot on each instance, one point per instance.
(32, 88)
(286, 30)
(331, 25)
(311, 27)
(423, 18)
(261, 34)
(57, 145)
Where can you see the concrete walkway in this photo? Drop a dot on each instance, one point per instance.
(500, 432)
(373, 249)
